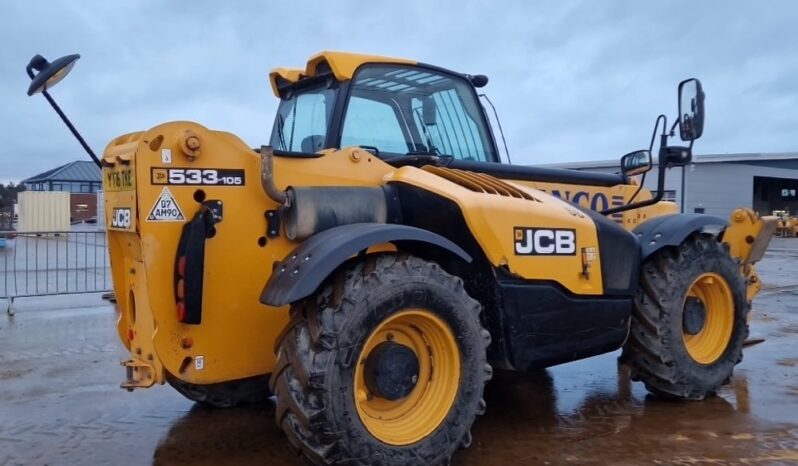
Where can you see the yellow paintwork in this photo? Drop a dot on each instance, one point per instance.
(744, 227)
(745, 233)
(342, 64)
(492, 218)
(711, 341)
(594, 197)
(291, 75)
(410, 419)
(237, 334)
(236, 337)
(787, 226)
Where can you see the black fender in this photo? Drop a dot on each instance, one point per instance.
(309, 264)
(673, 229)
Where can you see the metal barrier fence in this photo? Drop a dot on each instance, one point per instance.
(53, 263)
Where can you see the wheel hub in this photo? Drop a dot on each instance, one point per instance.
(391, 371)
(401, 403)
(694, 316)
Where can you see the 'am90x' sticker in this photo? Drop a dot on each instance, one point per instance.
(166, 209)
(197, 176)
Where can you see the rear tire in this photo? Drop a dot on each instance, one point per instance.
(331, 417)
(689, 321)
(247, 391)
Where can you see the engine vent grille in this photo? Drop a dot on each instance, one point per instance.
(479, 182)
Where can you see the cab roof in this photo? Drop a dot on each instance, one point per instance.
(342, 65)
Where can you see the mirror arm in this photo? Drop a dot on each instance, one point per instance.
(675, 124)
(662, 159)
(70, 126)
(663, 144)
(639, 188)
(648, 202)
(656, 125)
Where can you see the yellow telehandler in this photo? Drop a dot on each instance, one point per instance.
(373, 263)
(787, 225)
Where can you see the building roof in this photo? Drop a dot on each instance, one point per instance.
(78, 170)
(697, 158)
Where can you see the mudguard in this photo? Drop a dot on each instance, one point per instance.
(306, 267)
(673, 229)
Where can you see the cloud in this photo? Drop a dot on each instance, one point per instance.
(572, 80)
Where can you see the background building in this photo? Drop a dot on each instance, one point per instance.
(716, 184)
(80, 178)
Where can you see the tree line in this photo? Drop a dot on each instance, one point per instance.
(8, 193)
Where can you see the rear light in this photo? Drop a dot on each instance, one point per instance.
(181, 311)
(130, 334)
(180, 288)
(189, 268)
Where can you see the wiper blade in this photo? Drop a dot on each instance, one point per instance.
(422, 152)
(434, 155)
(420, 159)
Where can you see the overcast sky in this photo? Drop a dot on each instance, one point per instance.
(572, 80)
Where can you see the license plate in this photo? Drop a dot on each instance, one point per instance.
(119, 178)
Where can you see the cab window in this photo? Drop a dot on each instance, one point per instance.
(302, 121)
(371, 123)
(403, 110)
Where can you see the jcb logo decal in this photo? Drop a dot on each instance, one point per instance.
(121, 218)
(160, 175)
(544, 241)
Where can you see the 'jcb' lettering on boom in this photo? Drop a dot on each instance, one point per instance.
(544, 241)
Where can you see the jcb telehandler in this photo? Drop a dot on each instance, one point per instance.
(372, 264)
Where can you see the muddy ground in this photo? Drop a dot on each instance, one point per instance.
(60, 403)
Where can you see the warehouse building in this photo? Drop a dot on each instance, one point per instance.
(716, 184)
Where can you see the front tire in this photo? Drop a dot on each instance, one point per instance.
(689, 321)
(385, 365)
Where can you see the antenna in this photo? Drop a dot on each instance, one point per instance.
(501, 131)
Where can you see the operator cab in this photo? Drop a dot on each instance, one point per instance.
(391, 109)
(401, 111)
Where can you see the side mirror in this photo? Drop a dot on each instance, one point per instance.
(49, 74)
(636, 163)
(691, 109)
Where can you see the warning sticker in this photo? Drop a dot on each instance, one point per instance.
(166, 209)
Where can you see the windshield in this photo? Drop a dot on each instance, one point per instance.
(404, 110)
(394, 110)
(302, 120)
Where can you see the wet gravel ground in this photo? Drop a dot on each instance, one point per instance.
(60, 403)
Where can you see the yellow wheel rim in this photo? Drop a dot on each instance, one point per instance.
(709, 344)
(410, 419)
